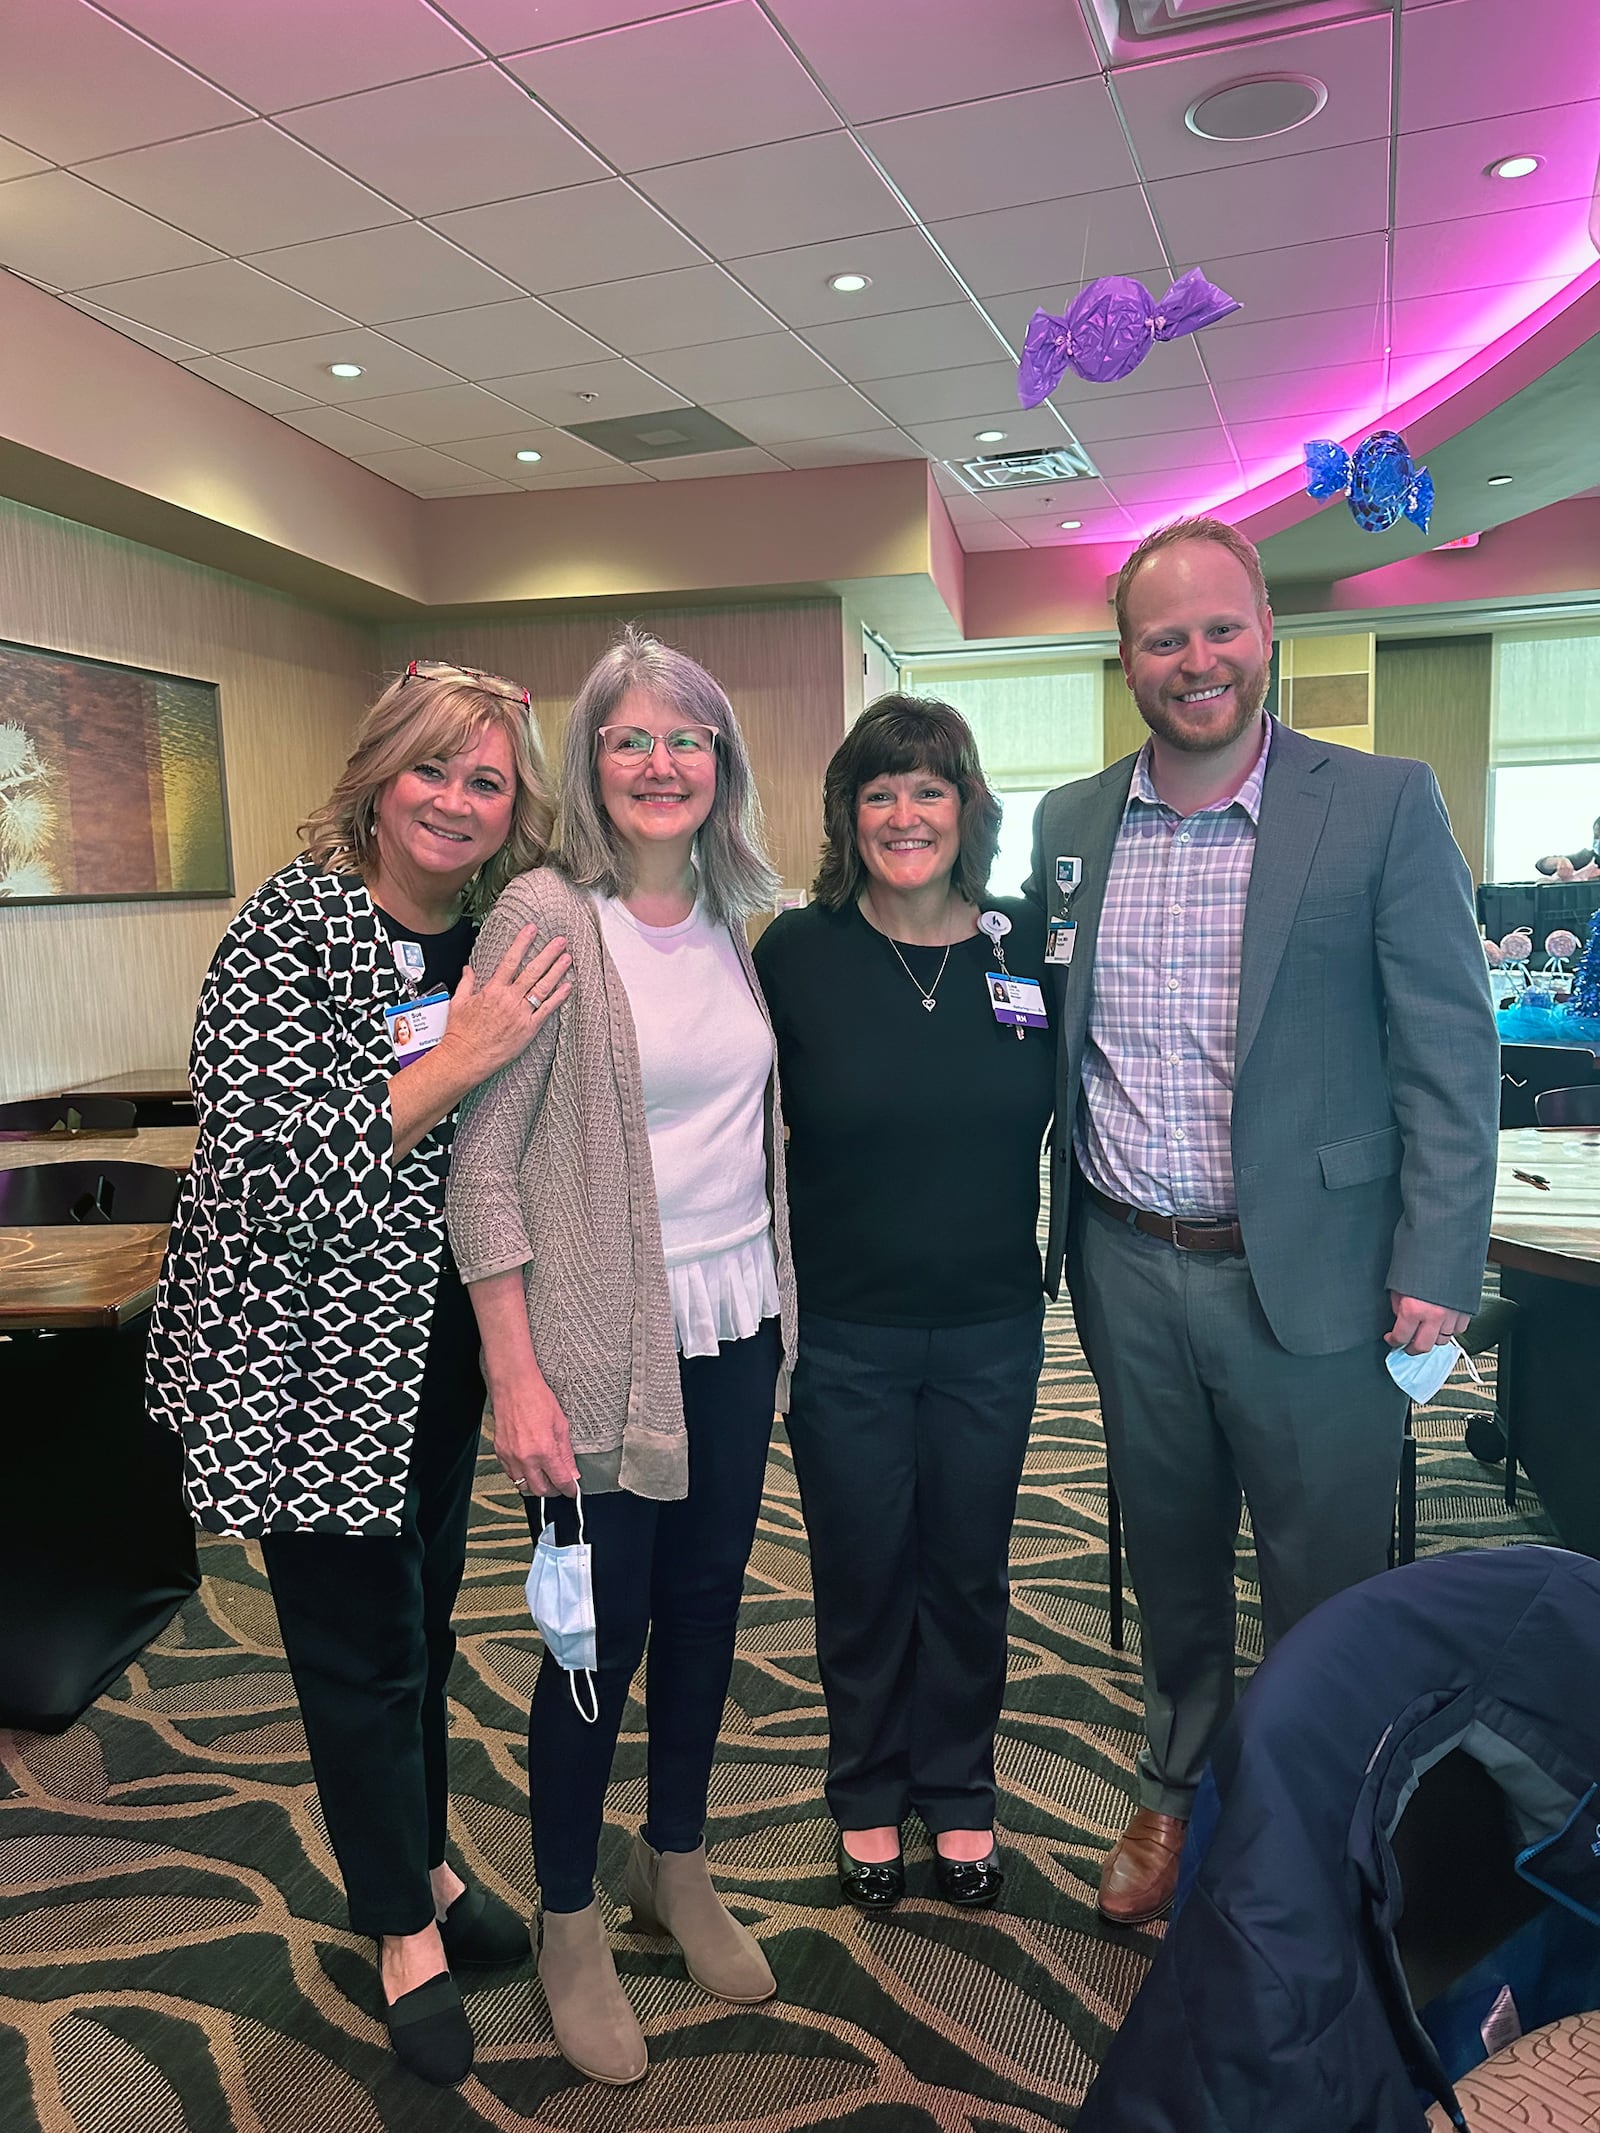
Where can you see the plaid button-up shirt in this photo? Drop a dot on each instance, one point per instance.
(1154, 1124)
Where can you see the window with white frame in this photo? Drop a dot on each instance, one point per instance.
(1544, 760)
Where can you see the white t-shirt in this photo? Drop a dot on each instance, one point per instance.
(705, 1058)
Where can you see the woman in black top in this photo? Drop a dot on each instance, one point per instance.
(915, 1117)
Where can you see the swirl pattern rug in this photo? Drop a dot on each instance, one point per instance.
(173, 1952)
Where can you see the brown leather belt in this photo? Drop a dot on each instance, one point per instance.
(1187, 1236)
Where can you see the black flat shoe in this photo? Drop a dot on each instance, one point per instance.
(870, 1887)
(972, 1883)
(482, 1933)
(429, 2031)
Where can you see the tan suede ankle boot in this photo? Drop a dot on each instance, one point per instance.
(595, 2027)
(671, 1892)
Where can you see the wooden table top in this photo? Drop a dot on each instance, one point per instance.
(1554, 1232)
(57, 1279)
(151, 1085)
(170, 1147)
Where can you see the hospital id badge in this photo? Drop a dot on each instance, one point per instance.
(416, 1026)
(1061, 940)
(1018, 1003)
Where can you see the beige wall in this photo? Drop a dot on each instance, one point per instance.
(91, 989)
(1432, 702)
(1125, 731)
(781, 665)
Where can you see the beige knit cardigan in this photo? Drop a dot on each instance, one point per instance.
(551, 1172)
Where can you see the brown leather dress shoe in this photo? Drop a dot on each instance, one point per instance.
(1139, 1880)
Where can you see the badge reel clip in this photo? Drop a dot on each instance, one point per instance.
(1018, 1003)
(1062, 937)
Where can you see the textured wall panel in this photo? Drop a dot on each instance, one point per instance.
(1433, 703)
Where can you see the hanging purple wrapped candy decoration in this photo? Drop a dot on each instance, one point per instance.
(1110, 327)
(1378, 476)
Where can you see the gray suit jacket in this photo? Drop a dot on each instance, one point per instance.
(1366, 1064)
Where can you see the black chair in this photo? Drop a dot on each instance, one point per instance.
(1567, 1107)
(1528, 1070)
(66, 1115)
(52, 1195)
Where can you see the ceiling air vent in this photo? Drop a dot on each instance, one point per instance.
(1026, 470)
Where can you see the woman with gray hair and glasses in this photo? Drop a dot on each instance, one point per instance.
(617, 1208)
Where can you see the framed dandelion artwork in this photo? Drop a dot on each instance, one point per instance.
(111, 784)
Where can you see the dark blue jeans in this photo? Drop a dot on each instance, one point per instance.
(672, 1573)
(908, 1444)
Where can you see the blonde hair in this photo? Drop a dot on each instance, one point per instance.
(436, 715)
(1191, 529)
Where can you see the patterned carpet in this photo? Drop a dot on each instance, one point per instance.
(173, 1957)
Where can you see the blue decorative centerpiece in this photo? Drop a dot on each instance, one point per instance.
(1537, 1017)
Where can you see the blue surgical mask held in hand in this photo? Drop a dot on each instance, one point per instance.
(1420, 1376)
(560, 1592)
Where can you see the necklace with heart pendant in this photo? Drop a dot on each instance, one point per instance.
(929, 1003)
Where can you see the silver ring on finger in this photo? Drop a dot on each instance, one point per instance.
(533, 1000)
(522, 1485)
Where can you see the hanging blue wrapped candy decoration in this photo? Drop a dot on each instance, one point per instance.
(1110, 327)
(1378, 476)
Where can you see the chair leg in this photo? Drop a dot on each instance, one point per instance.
(1406, 1507)
(1505, 1407)
(1114, 1560)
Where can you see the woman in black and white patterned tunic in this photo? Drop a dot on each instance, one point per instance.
(312, 1341)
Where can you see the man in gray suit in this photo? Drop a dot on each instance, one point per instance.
(1276, 1106)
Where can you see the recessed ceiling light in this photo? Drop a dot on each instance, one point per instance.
(345, 370)
(1071, 525)
(1515, 167)
(1256, 109)
(1499, 481)
(528, 458)
(849, 284)
(990, 437)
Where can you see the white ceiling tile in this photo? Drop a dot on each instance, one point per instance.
(1444, 173)
(1434, 258)
(1350, 59)
(1465, 318)
(944, 395)
(881, 59)
(74, 84)
(221, 307)
(249, 385)
(614, 475)
(977, 540)
(1181, 448)
(814, 191)
(498, 340)
(747, 86)
(1291, 394)
(905, 271)
(1298, 278)
(242, 189)
(514, 26)
(1477, 58)
(615, 389)
(1055, 244)
(18, 162)
(1241, 348)
(1056, 500)
(1174, 485)
(423, 472)
(378, 275)
(1267, 441)
(482, 486)
(57, 229)
(294, 50)
(956, 438)
(1040, 144)
(1295, 199)
(450, 141)
(900, 344)
(1182, 407)
(1103, 526)
(780, 418)
(683, 309)
(559, 455)
(444, 415)
(342, 431)
(699, 466)
(866, 448)
(569, 239)
(161, 343)
(302, 366)
(743, 369)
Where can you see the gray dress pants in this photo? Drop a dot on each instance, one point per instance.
(1202, 1405)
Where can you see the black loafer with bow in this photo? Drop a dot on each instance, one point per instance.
(972, 1883)
(871, 1885)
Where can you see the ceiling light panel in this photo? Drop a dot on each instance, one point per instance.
(1260, 107)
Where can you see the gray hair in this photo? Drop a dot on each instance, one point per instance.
(736, 876)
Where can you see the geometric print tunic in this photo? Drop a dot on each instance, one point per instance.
(291, 1322)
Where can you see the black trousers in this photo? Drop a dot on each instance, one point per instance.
(672, 1573)
(908, 1444)
(366, 1628)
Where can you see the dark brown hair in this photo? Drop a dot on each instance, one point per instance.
(1191, 529)
(895, 735)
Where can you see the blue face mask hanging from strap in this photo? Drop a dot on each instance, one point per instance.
(560, 1592)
